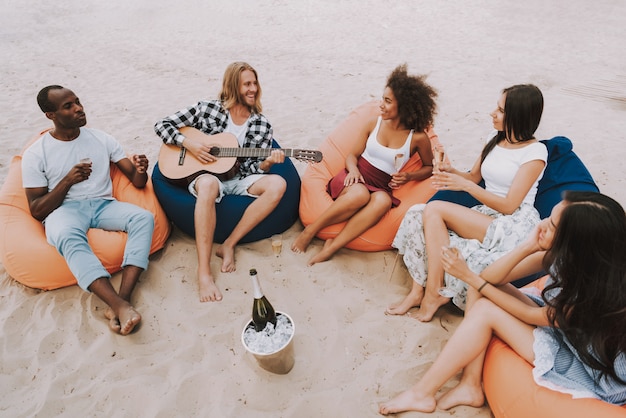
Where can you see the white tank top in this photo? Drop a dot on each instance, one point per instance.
(383, 157)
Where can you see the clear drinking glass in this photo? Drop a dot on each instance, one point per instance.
(277, 247)
(397, 163)
(439, 155)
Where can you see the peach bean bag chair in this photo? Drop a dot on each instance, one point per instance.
(314, 199)
(513, 393)
(27, 256)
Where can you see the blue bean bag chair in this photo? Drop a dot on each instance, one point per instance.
(179, 206)
(565, 171)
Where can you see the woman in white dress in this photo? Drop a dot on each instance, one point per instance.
(511, 164)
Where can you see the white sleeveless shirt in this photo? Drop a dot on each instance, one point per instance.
(383, 157)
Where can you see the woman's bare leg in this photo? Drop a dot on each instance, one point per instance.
(378, 205)
(439, 217)
(350, 201)
(414, 298)
(469, 391)
(468, 342)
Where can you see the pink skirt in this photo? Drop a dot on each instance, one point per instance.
(375, 180)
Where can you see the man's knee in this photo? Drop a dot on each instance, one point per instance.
(62, 236)
(279, 183)
(207, 187)
(276, 186)
(143, 218)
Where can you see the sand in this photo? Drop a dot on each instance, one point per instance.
(134, 62)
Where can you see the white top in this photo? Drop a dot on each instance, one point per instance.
(238, 130)
(383, 157)
(48, 160)
(501, 166)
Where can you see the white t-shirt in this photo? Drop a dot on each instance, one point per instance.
(238, 130)
(48, 160)
(501, 166)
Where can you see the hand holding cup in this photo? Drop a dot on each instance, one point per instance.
(81, 171)
(398, 162)
(141, 163)
(439, 157)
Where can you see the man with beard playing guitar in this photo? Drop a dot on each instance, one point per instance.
(238, 111)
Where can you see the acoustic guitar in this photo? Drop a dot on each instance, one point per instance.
(180, 166)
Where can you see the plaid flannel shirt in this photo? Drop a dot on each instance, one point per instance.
(210, 117)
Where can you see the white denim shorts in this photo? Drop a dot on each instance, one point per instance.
(236, 186)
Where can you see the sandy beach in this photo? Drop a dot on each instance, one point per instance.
(132, 63)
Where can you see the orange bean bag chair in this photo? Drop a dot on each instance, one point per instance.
(513, 393)
(314, 199)
(27, 256)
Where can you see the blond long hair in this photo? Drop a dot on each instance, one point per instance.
(230, 95)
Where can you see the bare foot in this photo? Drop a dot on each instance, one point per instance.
(302, 242)
(209, 291)
(414, 298)
(429, 306)
(324, 254)
(408, 401)
(227, 254)
(114, 322)
(129, 318)
(462, 394)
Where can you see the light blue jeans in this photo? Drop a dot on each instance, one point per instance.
(67, 226)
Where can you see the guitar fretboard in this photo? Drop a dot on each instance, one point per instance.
(247, 152)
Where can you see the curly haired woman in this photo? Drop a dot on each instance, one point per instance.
(362, 193)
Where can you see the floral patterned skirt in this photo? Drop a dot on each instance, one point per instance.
(503, 234)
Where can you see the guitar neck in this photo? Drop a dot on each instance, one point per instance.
(249, 152)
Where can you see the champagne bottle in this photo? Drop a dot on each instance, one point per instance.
(262, 310)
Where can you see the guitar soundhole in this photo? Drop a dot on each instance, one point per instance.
(215, 151)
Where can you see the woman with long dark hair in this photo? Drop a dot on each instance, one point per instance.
(573, 332)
